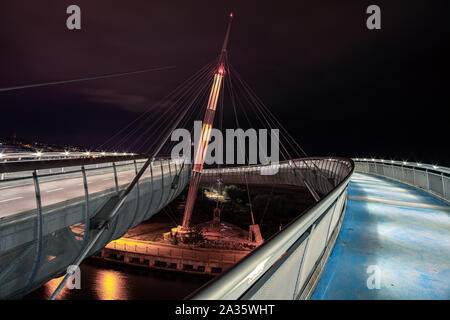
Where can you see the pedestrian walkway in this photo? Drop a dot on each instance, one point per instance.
(393, 237)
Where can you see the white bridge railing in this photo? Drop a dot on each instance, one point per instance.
(432, 179)
(46, 233)
(38, 155)
(288, 265)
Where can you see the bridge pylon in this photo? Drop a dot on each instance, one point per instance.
(200, 154)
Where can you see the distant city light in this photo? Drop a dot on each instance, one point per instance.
(87, 153)
(1, 155)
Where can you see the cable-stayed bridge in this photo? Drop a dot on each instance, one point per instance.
(58, 209)
(38, 244)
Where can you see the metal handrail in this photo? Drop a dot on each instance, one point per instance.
(17, 166)
(439, 174)
(234, 283)
(415, 165)
(52, 155)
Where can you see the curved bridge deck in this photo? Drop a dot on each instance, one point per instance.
(394, 231)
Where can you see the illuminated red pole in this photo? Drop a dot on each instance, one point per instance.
(208, 121)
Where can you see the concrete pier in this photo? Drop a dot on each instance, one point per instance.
(171, 257)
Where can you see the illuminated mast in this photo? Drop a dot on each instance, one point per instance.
(208, 121)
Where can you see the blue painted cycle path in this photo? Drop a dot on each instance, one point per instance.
(394, 244)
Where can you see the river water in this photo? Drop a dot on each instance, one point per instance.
(105, 281)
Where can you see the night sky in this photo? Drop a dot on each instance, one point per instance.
(338, 87)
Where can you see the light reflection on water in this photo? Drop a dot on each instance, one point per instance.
(111, 285)
(104, 281)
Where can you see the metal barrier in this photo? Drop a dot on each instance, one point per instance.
(38, 244)
(288, 265)
(28, 156)
(432, 179)
(45, 219)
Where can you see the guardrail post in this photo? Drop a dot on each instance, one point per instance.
(86, 198)
(137, 198)
(86, 216)
(428, 180)
(331, 218)
(443, 187)
(300, 269)
(115, 177)
(162, 185)
(169, 194)
(150, 202)
(39, 222)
